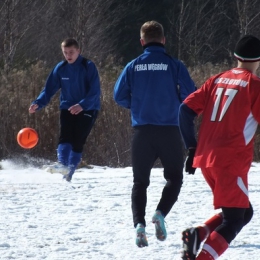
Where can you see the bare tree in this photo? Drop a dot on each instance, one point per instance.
(198, 27)
(17, 17)
(248, 16)
(91, 23)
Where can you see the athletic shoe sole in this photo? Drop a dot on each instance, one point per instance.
(141, 240)
(160, 231)
(191, 243)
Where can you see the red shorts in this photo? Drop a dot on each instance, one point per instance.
(228, 190)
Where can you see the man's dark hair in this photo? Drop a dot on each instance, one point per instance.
(152, 31)
(69, 43)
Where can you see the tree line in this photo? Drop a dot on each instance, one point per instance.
(201, 33)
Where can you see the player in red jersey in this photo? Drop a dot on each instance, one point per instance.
(230, 105)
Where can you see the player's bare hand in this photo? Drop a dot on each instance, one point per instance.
(74, 110)
(33, 108)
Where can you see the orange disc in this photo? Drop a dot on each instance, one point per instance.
(27, 138)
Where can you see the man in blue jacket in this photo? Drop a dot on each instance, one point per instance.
(153, 86)
(79, 82)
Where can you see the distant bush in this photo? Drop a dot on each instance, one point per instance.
(110, 140)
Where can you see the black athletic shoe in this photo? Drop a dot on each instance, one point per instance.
(191, 243)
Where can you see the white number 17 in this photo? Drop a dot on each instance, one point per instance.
(230, 93)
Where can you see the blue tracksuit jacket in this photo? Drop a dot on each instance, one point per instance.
(79, 84)
(153, 86)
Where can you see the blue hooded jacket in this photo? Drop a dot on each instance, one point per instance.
(153, 86)
(79, 84)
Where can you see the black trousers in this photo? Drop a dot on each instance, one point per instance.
(149, 143)
(234, 219)
(74, 129)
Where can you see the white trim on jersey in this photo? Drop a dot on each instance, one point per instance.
(250, 128)
(242, 186)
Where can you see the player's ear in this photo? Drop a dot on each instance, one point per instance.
(142, 42)
(163, 40)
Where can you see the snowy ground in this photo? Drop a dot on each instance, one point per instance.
(44, 217)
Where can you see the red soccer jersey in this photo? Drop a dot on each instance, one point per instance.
(230, 106)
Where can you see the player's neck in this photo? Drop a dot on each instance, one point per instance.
(251, 66)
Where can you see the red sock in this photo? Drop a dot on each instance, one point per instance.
(214, 246)
(210, 225)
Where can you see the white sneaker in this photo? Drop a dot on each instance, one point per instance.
(57, 168)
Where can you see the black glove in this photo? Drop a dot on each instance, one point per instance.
(188, 164)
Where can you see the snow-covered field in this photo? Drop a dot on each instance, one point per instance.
(44, 217)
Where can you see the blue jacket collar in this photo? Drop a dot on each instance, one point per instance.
(153, 44)
(77, 61)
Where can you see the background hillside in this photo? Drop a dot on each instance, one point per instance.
(200, 33)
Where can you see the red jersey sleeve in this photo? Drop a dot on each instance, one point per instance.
(197, 100)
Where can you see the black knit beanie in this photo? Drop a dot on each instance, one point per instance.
(248, 49)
